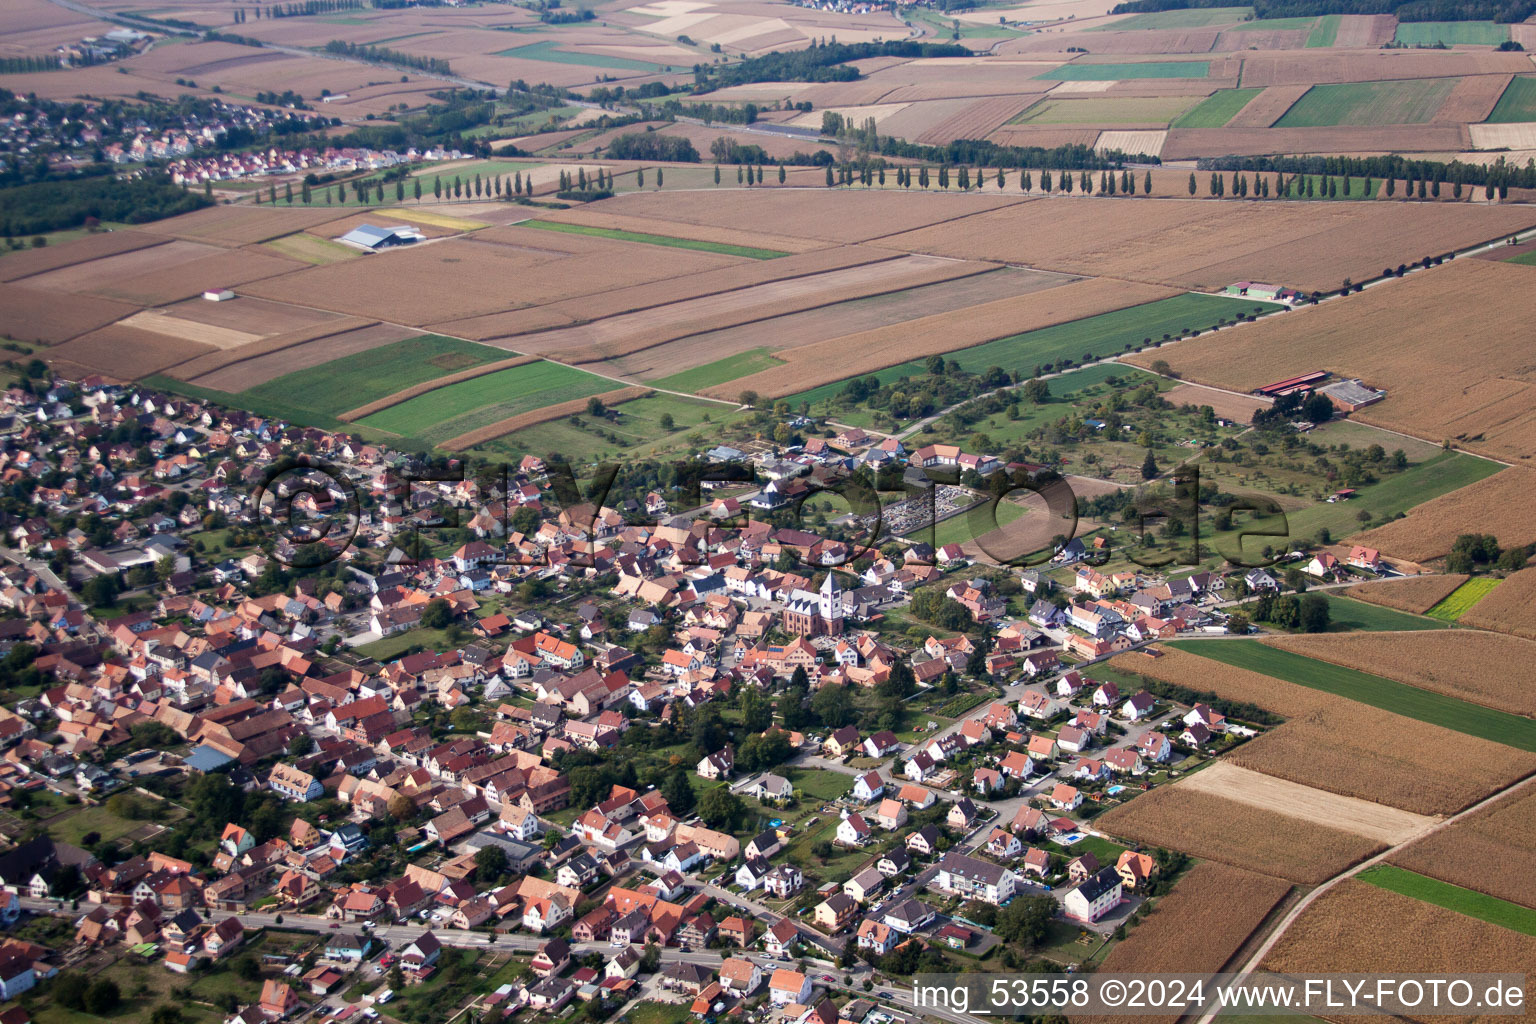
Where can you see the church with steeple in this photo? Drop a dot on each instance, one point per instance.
(815, 614)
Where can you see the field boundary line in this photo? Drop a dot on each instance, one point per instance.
(361, 324)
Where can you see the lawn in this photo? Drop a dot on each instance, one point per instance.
(1517, 104)
(1193, 17)
(1451, 33)
(1116, 72)
(719, 372)
(391, 647)
(1106, 851)
(447, 412)
(547, 52)
(1526, 259)
(639, 431)
(1458, 602)
(1440, 474)
(1387, 694)
(72, 827)
(1452, 897)
(1102, 110)
(1219, 108)
(1368, 103)
(1351, 616)
(819, 784)
(1325, 32)
(1098, 336)
(654, 1012)
(639, 236)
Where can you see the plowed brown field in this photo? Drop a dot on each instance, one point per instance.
(1417, 594)
(1202, 244)
(47, 318)
(1214, 828)
(1436, 660)
(1267, 107)
(812, 365)
(464, 277)
(1509, 607)
(1498, 505)
(1357, 926)
(1319, 66)
(1473, 98)
(122, 353)
(17, 265)
(1186, 143)
(1479, 391)
(235, 226)
(1492, 851)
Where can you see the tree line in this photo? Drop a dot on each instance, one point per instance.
(69, 202)
(384, 55)
(1430, 172)
(653, 146)
(28, 65)
(299, 9)
(819, 62)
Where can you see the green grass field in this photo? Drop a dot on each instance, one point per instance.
(1115, 72)
(1525, 259)
(1351, 616)
(1517, 104)
(720, 371)
(453, 410)
(1458, 602)
(355, 380)
(957, 529)
(1451, 33)
(1219, 108)
(1387, 694)
(1192, 17)
(1102, 335)
(640, 432)
(947, 27)
(640, 236)
(1452, 897)
(547, 52)
(1437, 475)
(1325, 32)
(1368, 103)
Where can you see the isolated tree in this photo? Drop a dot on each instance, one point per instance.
(717, 174)
(1149, 468)
(437, 186)
(658, 177)
(1191, 181)
(640, 178)
(782, 175)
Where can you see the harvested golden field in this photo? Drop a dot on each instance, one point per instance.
(432, 385)
(1509, 607)
(255, 316)
(212, 361)
(1237, 408)
(234, 226)
(1188, 143)
(975, 119)
(1479, 391)
(1253, 838)
(47, 317)
(824, 362)
(258, 363)
(157, 322)
(1200, 244)
(122, 353)
(742, 277)
(550, 412)
(761, 308)
(1498, 505)
(1492, 851)
(464, 277)
(1472, 99)
(1417, 594)
(17, 265)
(1239, 684)
(1357, 750)
(1268, 106)
(1439, 660)
(964, 288)
(1321, 66)
(1199, 925)
(1197, 928)
(1357, 926)
(824, 214)
(1373, 821)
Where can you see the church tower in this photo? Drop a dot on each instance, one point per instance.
(831, 605)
